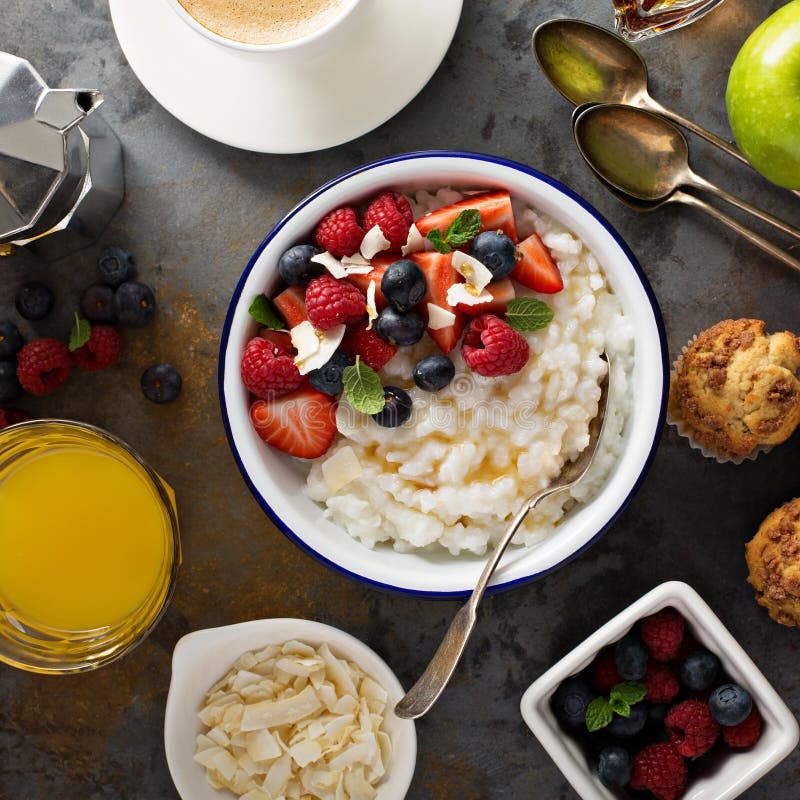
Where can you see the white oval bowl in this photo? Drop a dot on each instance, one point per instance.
(201, 658)
(277, 480)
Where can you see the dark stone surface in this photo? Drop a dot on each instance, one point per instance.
(193, 213)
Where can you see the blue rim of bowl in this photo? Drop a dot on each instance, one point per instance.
(413, 156)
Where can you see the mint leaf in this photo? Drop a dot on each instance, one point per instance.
(464, 227)
(528, 314)
(629, 692)
(363, 388)
(81, 331)
(619, 706)
(435, 237)
(598, 714)
(261, 310)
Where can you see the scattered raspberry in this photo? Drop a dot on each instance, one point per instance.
(659, 769)
(101, 351)
(392, 213)
(745, 734)
(331, 302)
(604, 672)
(691, 728)
(491, 347)
(43, 365)
(662, 683)
(374, 351)
(663, 634)
(339, 232)
(268, 372)
(10, 417)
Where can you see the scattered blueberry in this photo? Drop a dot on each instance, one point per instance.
(496, 252)
(570, 701)
(631, 657)
(161, 383)
(433, 373)
(97, 304)
(400, 329)
(9, 385)
(296, 267)
(34, 300)
(134, 304)
(328, 378)
(629, 726)
(397, 409)
(115, 266)
(700, 670)
(614, 767)
(11, 340)
(403, 284)
(730, 704)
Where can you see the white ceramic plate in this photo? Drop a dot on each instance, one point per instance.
(203, 657)
(268, 104)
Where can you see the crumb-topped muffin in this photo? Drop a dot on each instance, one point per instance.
(735, 388)
(773, 557)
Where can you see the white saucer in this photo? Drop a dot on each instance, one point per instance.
(260, 102)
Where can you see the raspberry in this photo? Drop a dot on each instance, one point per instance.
(604, 672)
(691, 728)
(662, 683)
(43, 365)
(339, 232)
(663, 634)
(374, 351)
(491, 347)
(745, 734)
(101, 351)
(268, 372)
(391, 212)
(331, 302)
(10, 417)
(659, 769)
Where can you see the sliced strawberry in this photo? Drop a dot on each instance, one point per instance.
(302, 423)
(379, 264)
(494, 207)
(291, 305)
(502, 293)
(536, 269)
(281, 339)
(440, 276)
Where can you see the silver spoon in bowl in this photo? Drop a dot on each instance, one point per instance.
(426, 691)
(589, 64)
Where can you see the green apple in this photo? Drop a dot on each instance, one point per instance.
(763, 97)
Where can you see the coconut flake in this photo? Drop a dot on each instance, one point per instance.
(474, 272)
(327, 343)
(414, 242)
(439, 317)
(341, 468)
(331, 263)
(372, 309)
(374, 242)
(463, 293)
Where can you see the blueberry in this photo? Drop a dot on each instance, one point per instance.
(630, 656)
(115, 266)
(496, 252)
(11, 340)
(97, 303)
(614, 767)
(570, 701)
(9, 385)
(730, 704)
(34, 300)
(700, 670)
(161, 383)
(328, 378)
(397, 409)
(401, 329)
(134, 304)
(296, 267)
(403, 284)
(629, 726)
(433, 373)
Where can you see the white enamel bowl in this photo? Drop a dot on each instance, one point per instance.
(277, 480)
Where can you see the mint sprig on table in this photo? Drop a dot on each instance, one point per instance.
(81, 333)
(601, 710)
(461, 230)
(363, 388)
(261, 311)
(528, 314)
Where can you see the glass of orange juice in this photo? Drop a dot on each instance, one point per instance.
(89, 547)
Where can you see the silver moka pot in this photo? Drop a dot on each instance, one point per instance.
(61, 176)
